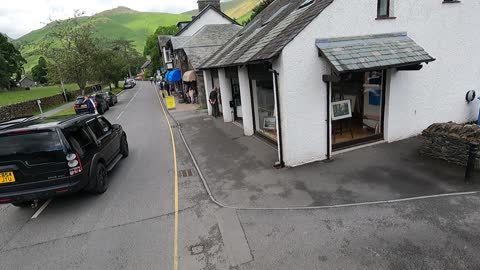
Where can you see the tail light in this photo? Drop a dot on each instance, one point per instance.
(74, 164)
(76, 106)
(96, 103)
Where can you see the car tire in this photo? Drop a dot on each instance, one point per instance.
(101, 180)
(22, 204)
(124, 147)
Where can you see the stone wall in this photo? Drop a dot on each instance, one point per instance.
(449, 141)
(30, 107)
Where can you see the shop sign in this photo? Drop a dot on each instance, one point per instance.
(170, 103)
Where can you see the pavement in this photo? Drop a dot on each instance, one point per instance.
(239, 170)
(134, 225)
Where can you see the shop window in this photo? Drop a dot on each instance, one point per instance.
(357, 108)
(265, 111)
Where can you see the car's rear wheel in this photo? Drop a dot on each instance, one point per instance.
(22, 204)
(124, 147)
(101, 180)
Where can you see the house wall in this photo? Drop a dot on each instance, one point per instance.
(414, 99)
(209, 17)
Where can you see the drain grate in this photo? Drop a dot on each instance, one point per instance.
(185, 173)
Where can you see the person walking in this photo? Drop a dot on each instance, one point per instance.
(213, 100)
(191, 94)
(90, 105)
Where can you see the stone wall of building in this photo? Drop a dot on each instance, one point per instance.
(450, 141)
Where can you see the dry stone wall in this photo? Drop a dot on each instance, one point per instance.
(450, 141)
(30, 107)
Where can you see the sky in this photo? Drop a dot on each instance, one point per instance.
(18, 17)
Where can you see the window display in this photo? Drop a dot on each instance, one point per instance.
(264, 108)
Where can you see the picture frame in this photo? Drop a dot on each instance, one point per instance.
(341, 109)
(270, 123)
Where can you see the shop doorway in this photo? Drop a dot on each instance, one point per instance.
(237, 100)
(357, 109)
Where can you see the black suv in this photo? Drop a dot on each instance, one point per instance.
(45, 157)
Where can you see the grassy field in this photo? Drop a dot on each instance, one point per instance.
(17, 96)
(69, 111)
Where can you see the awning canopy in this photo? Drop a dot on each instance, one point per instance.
(174, 75)
(190, 76)
(372, 52)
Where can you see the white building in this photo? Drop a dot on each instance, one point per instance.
(320, 76)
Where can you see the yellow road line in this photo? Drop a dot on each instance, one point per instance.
(175, 233)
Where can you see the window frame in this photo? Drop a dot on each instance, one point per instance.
(379, 7)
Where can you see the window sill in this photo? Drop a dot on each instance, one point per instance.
(385, 18)
(451, 2)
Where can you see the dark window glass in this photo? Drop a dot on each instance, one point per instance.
(96, 128)
(105, 124)
(383, 8)
(79, 139)
(34, 147)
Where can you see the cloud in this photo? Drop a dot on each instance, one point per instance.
(18, 17)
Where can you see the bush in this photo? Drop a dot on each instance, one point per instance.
(70, 96)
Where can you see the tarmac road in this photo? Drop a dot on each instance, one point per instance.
(132, 225)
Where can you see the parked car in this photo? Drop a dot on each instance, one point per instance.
(110, 97)
(80, 105)
(47, 157)
(128, 85)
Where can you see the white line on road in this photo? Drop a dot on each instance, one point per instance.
(40, 210)
(120, 115)
(138, 91)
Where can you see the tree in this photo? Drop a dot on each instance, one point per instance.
(257, 9)
(39, 72)
(72, 50)
(152, 48)
(11, 63)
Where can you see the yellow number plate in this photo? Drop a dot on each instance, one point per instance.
(6, 177)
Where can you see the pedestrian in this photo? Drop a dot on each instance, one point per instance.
(191, 94)
(90, 105)
(213, 100)
(151, 80)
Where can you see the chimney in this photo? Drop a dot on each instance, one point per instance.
(202, 4)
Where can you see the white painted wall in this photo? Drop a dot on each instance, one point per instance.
(209, 17)
(246, 97)
(226, 95)
(207, 77)
(415, 99)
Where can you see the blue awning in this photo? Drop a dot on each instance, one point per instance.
(174, 75)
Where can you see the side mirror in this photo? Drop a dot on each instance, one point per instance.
(115, 126)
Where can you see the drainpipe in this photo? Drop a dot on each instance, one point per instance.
(280, 164)
(328, 80)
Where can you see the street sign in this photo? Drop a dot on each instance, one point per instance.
(170, 103)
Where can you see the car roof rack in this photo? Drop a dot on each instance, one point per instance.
(17, 121)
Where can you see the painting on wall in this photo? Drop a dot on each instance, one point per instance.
(341, 110)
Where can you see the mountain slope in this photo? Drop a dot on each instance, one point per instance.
(119, 23)
(233, 8)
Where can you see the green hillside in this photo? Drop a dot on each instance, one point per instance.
(233, 8)
(119, 23)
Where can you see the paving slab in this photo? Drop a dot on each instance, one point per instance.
(239, 170)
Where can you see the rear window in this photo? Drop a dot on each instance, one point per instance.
(34, 147)
(79, 100)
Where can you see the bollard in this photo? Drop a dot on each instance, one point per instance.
(472, 158)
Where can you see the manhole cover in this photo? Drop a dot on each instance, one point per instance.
(197, 249)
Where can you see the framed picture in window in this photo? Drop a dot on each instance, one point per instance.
(270, 123)
(341, 110)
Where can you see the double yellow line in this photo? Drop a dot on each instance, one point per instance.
(174, 150)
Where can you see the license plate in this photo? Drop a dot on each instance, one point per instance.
(83, 106)
(7, 177)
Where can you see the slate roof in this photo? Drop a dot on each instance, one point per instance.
(177, 42)
(207, 41)
(362, 53)
(201, 14)
(163, 40)
(266, 36)
(146, 64)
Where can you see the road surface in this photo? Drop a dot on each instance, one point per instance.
(132, 225)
